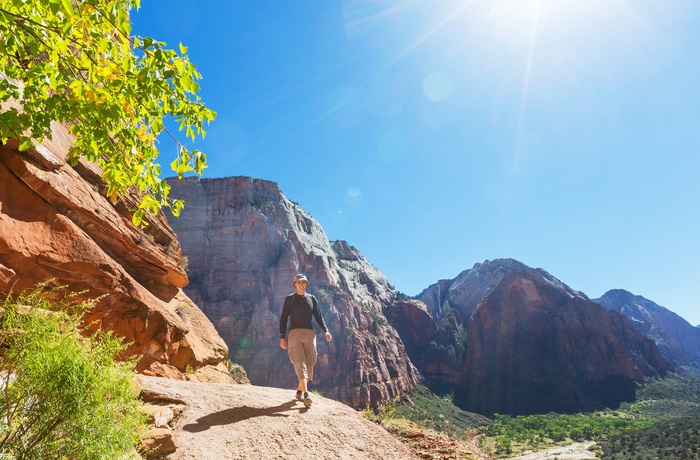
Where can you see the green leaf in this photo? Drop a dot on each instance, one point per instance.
(67, 8)
(26, 144)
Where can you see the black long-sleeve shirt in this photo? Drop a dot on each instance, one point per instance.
(299, 309)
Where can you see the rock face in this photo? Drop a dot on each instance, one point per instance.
(469, 288)
(245, 242)
(435, 347)
(676, 338)
(55, 224)
(534, 345)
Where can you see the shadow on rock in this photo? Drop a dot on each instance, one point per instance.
(237, 414)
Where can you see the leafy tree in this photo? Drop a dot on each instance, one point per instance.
(503, 445)
(75, 62)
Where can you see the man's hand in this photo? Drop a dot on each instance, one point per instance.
(283, 344)
(329, 337)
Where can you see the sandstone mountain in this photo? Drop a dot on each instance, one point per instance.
(57, 226)
(676, 338)
(245, 242)
(535, 345)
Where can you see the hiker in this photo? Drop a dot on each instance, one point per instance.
(299, 308)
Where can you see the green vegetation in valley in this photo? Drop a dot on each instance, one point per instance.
(429, 411)
(438, 413)
(676, 438)
(675, 400)
(64, 395)
(541, 431)
(432, 426)
(663, 424)
(677, 387)
(665, 407)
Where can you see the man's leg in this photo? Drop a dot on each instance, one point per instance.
(310, 354)
(297, 355)
(309, 361)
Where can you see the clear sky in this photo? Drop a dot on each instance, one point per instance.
(434, 134)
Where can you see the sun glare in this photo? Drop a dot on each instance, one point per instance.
(513, 20)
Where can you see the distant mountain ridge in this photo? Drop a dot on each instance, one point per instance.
(471, 286)
(676, 338)
(535, 345)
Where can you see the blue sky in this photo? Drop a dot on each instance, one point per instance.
(432, 135)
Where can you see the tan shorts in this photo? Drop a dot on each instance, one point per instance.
(301, 347)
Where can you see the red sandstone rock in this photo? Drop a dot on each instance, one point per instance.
(158, 442)
(435, 347)
(55, 224)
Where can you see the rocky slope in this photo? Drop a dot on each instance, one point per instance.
(676, 338)
(56, 224)
(535, 345)
(245, 242)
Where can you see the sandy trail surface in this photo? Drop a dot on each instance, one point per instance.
(228, 421)
(575, 451)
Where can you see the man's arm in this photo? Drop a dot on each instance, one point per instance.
(319, 319)
(283, 323)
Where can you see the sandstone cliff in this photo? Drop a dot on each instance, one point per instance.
(245, 242)
(436, 347)
(56, 224)
(535, 345)
(676, 338)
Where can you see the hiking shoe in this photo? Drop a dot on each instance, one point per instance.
(299, 398)
(307, 400)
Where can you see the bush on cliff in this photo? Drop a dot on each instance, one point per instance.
(63, 395)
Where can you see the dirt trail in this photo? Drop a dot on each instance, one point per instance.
(227, 422)
(575, 451)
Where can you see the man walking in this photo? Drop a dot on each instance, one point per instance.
(298, 309)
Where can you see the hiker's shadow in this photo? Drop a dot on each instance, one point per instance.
(237, 414)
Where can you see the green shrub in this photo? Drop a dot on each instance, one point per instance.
(236, 372)
(63, 395)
